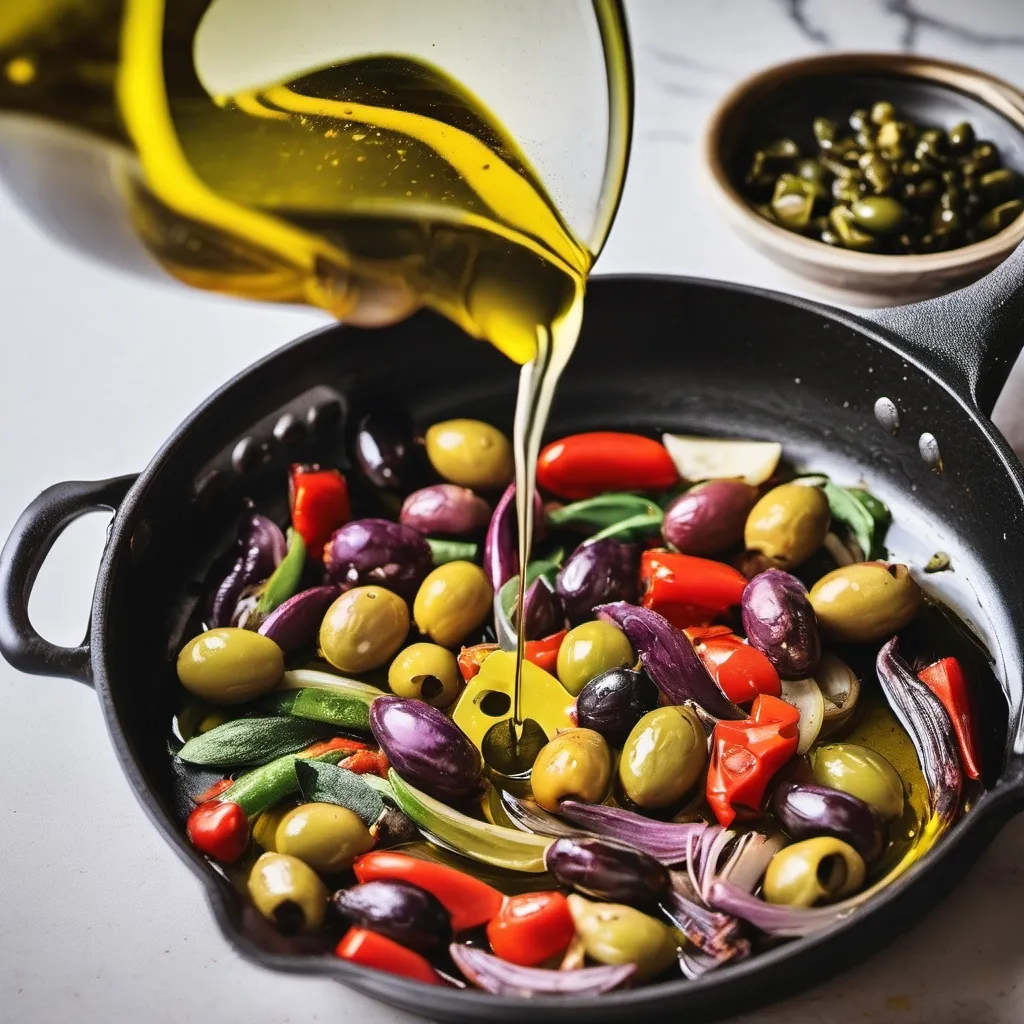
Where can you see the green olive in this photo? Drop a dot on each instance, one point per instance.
(264, 829)
(590, 649)
(324, 836)
(883, 112)
(663, 757)
(819, 870)
(288, 892)
(881, 215)
(426, 672)
(866, 601)
(363, 629)
(613, 933)
(470, 453)
(788, 524)
(451, 602)
(576, 764)
(861, 772)
(230, 666)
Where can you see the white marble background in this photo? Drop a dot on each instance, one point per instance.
(98, 919)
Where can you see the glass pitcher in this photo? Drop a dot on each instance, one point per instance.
(337, 153)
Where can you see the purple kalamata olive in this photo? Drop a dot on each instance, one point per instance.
(709, 518)
(780, 622)
(806, 810)
(426, 747)
(377, 551)
(382, 448)
(296, 622)
(613, 702)
(606, 870)
(542, 610)
(598, 572)
(259, 549)
(445, 509)
(409, 915)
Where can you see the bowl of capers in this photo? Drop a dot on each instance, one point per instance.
(879, 179)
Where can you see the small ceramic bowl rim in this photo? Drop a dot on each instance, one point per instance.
(1002, 97)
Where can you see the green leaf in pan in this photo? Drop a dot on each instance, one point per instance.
(323, 783)
(603, 511)
(246, 742)
(863, 514)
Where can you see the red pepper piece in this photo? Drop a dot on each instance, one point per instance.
(214, 791)
(368, 949)
(584, 465)
(319, 503)
(470, 901)
(741, 671)
(745, 755)
(471, 658)
(219, 829)
(531, 928)
(544, 653)
(335, 743)
(367, 762)
(946, 679)
(687, 590)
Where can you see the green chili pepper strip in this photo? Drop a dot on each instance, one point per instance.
(284, 582)
(443, 551)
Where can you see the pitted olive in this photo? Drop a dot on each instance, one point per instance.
(426, 672)
(288, 892)
(230, 665)
(861, 772)
(363, 629)
(470, 453)
(813, 871)
(663, 757)
(576, 764)
(325, 836)
(590, 649)
(866, 601)
(452, 601)
(788, 524)
(613, 933)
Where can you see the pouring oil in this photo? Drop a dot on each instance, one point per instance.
(378, 182)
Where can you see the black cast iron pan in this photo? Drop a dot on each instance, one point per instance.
(655, 353)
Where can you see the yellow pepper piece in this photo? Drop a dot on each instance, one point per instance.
(487, 698)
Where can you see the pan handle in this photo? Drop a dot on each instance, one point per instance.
(969, 338)
(23, 555)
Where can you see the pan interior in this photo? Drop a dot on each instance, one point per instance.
(655, 354)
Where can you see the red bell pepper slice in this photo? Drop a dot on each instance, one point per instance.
(532, 928)
(219, 829)
(470, 901)
(471, 658)
(367, 762)
(584, 465)
(745, 755)
(687, 590)
(368, 949)
(544, 653)
(741, 671)
(214, 791)
(946, 679)
(319, 504)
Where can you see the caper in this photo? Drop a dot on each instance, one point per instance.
(781, 153)
(288, 892)
(590, 649)
(824, 132)
(891, 137)
(877, 173)
(230, 665)
(881, 215)
(861, 772)
(998, 186)
(811, 170)
(325, 836)
(852, 237)
(984, 156)
(793, 201)
(1000, 217)
(813, 871)
(846, 190)
(663, 757)
(451, 602)
(470, 453)
(866, 601)
(883, 112)
(576, 764)
(859, 119)
(427, 672)
(613, 933)
(961, 137)
(363, 629)
(788, 524)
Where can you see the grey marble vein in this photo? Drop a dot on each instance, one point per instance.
(914, 19)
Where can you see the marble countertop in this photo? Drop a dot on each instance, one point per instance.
(100, 921)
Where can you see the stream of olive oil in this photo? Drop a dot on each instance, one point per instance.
(376, 182)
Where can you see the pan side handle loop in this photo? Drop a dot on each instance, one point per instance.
(969, 338)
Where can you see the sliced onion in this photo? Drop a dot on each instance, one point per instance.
(308, 678)
(666, 841)
(840, 689)
(507, 979)
(708, 458)
(805, 696)
(528, 816)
